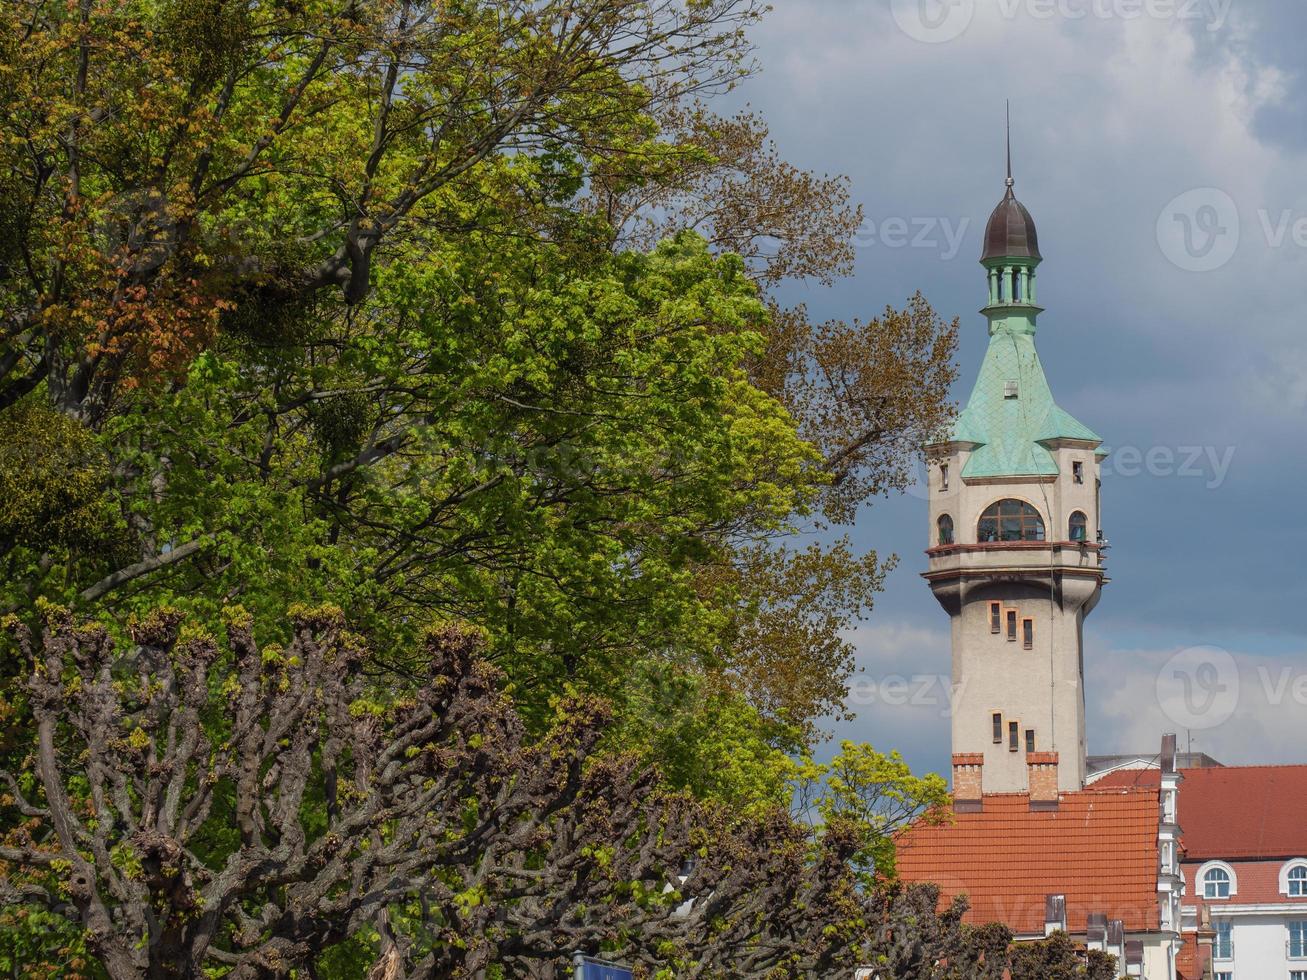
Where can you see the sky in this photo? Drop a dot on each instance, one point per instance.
(1161, 146)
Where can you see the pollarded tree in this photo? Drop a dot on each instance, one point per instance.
(200, 807)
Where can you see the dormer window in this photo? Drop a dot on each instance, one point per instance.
(1011, 389)
(1298, 881)
(1293, 881)
(1217, 882)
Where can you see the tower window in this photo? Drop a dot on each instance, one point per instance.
(1011, 389)
(1010, 520)
(945, 525)
(1013, 736)
(1030, 740)
(1028, 633)
(996, 617)
(1078, 527)
(943, 476)
(1012, 625)
(998, 728)
(1078, 472)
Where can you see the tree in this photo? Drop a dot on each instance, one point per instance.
(1058, 958)
(432, 819)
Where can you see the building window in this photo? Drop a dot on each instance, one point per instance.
(945, 524)
(1078, 472)
(1028, 633)
(1010, 520)
(1078, 528)
(1011, 389)
(1223, 948)
(1030, 740)
(1012, 625)
(1013, 736)
(943, 476)
(1230, 976)
(1216, 883)
(996, 617)
(998, 728)
(1295, 881)
(1298, 940)
(1293, 975)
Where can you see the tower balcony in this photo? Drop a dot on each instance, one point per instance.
(1072, 569)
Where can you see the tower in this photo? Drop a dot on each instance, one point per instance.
(1015, 556)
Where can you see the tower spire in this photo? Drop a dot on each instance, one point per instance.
(1008, 107)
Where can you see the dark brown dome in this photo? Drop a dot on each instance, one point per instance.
(1011, 231)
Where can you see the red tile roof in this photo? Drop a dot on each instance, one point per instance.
(1235, 811)
(1099, 849)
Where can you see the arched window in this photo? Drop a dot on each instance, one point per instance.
(1010, 520)
(945, 524)
(1216, 883)
(1079, 527)
(1295, 880)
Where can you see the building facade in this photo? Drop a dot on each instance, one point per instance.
(1244, 862)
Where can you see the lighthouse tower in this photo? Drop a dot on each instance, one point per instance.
(1015, 554)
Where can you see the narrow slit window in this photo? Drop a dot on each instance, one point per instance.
(998, 728)
(995, 617)
(1078, 472)
(943, 476)
(1012, 625)
(1028, 633)
(1030, 740)
(1013, 736)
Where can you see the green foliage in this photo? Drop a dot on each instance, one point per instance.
(876, 793)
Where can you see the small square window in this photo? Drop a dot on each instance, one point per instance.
(1011, 389)
(998, 728)
(996, 617)
(1012, 625)
(1028, 633)
(1013, 736)
(1078, 472)
(1030, 740)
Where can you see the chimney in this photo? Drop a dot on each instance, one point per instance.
(1134, 958)
(1042, 769)
(1096, 932)
(1116, 941)
(1054, 914)
(1170, 782)
(968, 769)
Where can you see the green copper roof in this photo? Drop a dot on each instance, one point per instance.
(1010, 430)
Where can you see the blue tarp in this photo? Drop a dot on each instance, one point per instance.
(590, 969)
